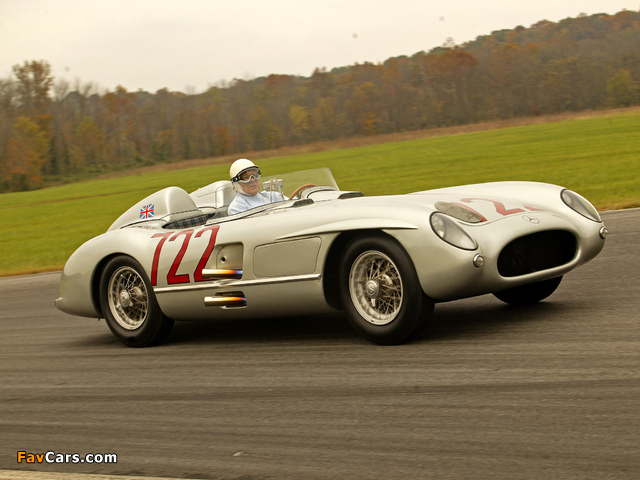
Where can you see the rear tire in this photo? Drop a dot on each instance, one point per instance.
(530, 293)
(129, 305)
(380, 291)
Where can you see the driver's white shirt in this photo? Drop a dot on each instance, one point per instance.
(245, 202)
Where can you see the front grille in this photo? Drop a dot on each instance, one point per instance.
(536, 252)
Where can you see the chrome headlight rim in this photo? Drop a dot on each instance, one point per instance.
(448, 230)
(580, 205)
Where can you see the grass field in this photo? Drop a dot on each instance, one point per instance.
(598, 157)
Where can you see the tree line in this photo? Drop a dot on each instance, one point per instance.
(52, 130)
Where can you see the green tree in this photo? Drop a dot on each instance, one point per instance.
(161, 146)
(88, 145)
(299, 121)
(263, 132)
(622, 89)
(325, 120)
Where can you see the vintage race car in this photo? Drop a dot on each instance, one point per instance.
(383, 260)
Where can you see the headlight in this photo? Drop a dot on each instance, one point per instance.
(580, 205)
(459, 212)
(449, 231)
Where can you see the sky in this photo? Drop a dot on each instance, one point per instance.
(191, 45)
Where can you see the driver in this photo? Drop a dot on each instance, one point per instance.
(244, 178)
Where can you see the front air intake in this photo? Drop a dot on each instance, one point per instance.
(536, 252)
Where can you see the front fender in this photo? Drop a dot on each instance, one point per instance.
(78, 295)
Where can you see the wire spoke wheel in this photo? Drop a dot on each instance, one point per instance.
(380, 291)
(375, 286)
(128, 298)
(129, 304)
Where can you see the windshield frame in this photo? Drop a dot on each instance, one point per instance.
(293, 180)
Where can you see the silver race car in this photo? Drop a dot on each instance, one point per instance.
(383, 260)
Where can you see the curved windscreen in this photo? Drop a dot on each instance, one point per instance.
(292, 181)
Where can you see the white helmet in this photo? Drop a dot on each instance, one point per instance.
(239, 167)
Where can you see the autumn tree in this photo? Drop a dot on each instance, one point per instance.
(48, 130)
(361, 108)
(452, 74)
(7, 116)
(26, 152)
(118, 117)
(34, 83)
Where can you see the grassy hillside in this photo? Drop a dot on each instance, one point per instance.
(598, 157)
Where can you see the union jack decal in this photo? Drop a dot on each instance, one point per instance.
(147, 211)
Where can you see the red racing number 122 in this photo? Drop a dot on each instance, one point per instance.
(173, 278)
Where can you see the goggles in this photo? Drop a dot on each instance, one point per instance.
(246, 177)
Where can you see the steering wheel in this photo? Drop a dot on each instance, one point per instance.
(301, 188)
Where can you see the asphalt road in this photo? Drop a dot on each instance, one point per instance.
(495, 392)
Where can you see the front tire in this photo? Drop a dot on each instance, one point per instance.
(380, 291)
(129, 305)
(530, 293)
